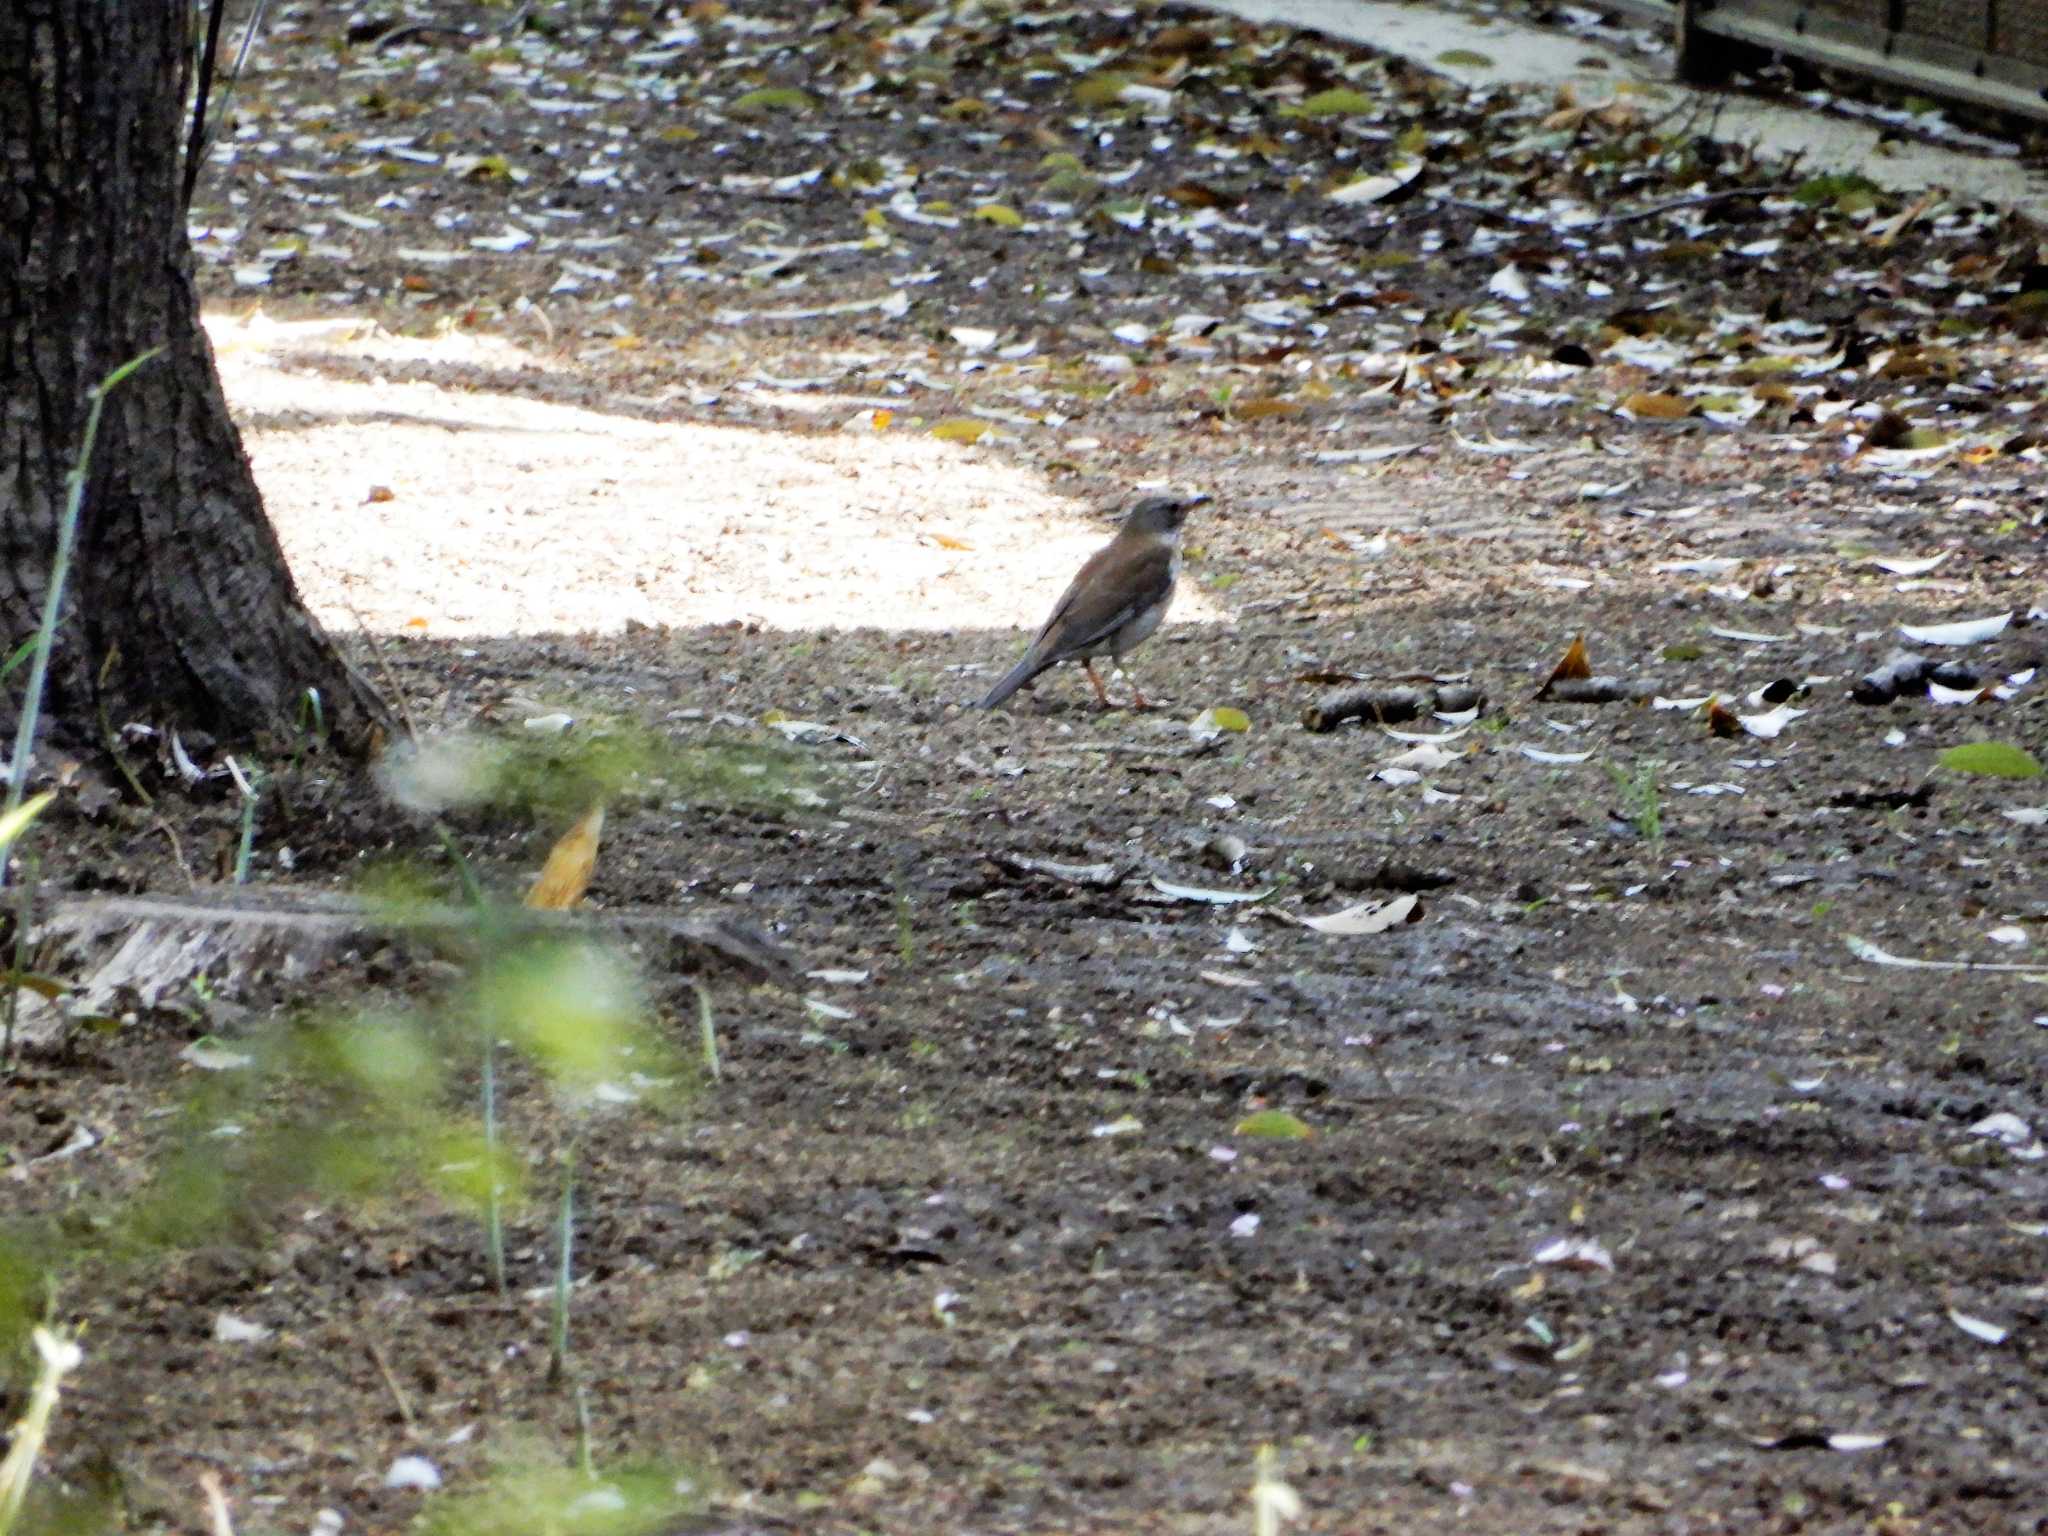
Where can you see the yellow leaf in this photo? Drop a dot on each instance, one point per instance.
(1252, 410)
(1001, 214)
(566, 875)
(947, 541)
(960, 429)
(774, 98)
(16, 821)
(1274, 1125)
(1657, 407)
(1223, 719)
(881, 419)
(1100, 90)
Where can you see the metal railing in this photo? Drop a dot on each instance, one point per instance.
(1987, 53)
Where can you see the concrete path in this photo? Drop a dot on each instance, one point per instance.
(1542, 58)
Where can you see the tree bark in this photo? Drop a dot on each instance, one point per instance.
(180, 610)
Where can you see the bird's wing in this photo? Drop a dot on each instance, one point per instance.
(1092, 610)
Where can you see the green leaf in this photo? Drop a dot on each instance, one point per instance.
(1816, 190)
(960, 429)
(1100, 90)
(1340, 102)
(16, 821)
(1465, 58)
(1274, 1125)
(22, 652)
(1996, 758)
(1223, 719)
(43, 986)
(1000, 213)
(773, 98)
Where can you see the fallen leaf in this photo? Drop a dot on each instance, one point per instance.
(1995, 758)
(1129, 1125)
(1961, 632)
(1900, 565)
(1274, 1125)
(1387, 186)
(772, 99)
(1573, 664)
(1863, 949)
(229, 1329)
(1575, 1253)
(1657, 407)
(1977, 1328)
(566, 875)
(1772, 724)
(960, 429)
(1211, 723)
(1340, 102)
(1214, 898)
(1367, 917)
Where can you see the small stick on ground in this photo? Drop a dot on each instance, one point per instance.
(1600, 690)
(1388, 706)
(384, 666)
(1696, 200)
(218, 1518)
(377, 1356)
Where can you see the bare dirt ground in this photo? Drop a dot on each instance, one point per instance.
(1643, 1194)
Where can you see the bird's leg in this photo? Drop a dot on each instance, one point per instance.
(1138, 699)
(1101, 693)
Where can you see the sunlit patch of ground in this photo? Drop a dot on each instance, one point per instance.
(430, 504)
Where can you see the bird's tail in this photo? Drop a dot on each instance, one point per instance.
(1014, 679)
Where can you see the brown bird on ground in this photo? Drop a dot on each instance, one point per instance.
(1115, 602)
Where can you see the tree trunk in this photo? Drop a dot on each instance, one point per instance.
(179, 610)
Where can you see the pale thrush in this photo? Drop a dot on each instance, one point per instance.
(1116, 601)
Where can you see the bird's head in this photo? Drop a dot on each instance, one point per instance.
(1162, 515)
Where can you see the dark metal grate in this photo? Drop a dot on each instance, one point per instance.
(1988, 53)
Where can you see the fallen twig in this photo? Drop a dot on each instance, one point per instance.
(160, 941)
(1696, 200)
(377, 1357)
(1389, 706)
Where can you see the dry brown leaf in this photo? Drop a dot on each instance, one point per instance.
(1252, 410)
(1889, 430)
(1573, 665)
(566, 875)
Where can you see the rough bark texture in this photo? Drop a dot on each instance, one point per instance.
(179, 578)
